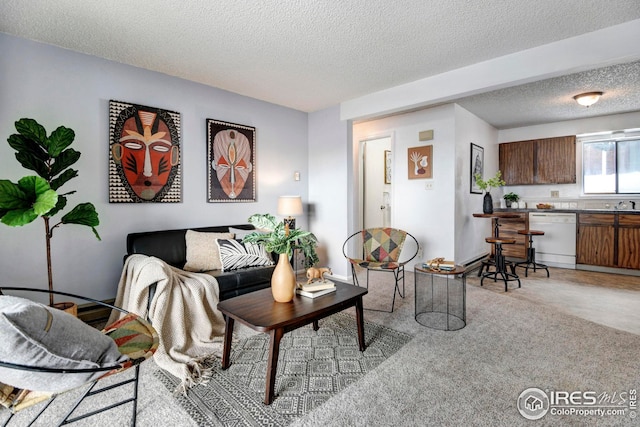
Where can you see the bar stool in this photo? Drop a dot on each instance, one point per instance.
(531, 254)
(500, 263)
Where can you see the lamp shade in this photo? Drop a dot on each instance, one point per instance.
(587, 99)
(289, 205)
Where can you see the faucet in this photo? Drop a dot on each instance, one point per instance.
(633, 204)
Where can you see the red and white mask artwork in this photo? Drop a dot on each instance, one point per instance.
(231, 161)
(146, 154)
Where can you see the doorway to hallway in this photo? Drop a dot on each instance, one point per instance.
(376, 197)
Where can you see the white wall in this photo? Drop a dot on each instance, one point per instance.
(61, 87)
(541, 193)
(329, 186)
(470, 231)
(426, 214)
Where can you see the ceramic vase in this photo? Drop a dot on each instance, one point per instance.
(487, 203)
(283, 280)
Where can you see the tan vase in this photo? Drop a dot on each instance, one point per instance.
(283, 280)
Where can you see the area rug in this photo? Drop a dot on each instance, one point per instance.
(313, 366)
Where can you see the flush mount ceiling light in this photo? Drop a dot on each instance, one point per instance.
(588, 98)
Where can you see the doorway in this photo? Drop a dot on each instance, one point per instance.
(376, 197)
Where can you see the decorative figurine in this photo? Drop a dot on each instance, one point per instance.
(314, 273)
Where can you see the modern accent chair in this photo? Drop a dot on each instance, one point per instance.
(52, 352)
(380, 249)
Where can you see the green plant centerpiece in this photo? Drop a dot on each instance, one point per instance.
(510, 198)
(486, 186)
(278, 238)
(39, 196)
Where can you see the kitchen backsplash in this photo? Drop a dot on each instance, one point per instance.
(558, 203)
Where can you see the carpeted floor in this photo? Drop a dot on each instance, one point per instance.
(512, 341)
(313, 367)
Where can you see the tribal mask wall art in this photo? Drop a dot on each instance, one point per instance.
(144, 155)
(231, 162)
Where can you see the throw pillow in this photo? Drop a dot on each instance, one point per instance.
(202, 250)
(234, 254)
(37, 335)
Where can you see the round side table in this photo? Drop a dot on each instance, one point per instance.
(440, 298)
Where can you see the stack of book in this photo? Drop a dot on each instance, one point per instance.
(442, 265)
(315, 289)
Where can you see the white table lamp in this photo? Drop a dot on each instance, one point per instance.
(290, 206)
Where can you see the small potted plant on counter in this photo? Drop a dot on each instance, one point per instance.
(510, 198)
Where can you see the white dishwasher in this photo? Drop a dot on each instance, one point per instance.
(557, 248)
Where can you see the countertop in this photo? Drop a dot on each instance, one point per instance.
(577, 211)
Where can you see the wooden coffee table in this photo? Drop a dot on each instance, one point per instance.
(261, 313)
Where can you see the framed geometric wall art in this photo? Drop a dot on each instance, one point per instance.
(231, 160)
(420, 162)
(144, 154)
(476, 167)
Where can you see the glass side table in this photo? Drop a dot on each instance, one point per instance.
(440, 298)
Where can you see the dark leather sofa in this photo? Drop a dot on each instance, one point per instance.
(170, 246)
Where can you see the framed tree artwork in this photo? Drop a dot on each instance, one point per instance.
(144, 154)
(231, 159)
(476, 167)
(420, 162)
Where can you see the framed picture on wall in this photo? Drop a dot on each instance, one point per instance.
(387, 166)
(420, 162)
(231, 160)
(144, 154)
(477, 167)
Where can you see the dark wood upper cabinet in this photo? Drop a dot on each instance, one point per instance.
(539, 161)
(516, 162)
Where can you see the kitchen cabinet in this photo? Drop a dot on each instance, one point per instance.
(539, 161)
(628, 241)
(595, 243)
(609, 240)
(509, 229)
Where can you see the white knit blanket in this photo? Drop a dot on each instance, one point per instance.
(183, 311)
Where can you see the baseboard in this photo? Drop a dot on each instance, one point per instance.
(613, 270)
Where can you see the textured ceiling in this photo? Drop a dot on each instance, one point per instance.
(552, 100)
(309, 55)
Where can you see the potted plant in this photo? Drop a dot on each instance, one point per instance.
(510, 198)
(279, 239)
(486, 186)
(39, 196)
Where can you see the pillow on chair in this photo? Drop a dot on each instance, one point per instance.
(38, 335)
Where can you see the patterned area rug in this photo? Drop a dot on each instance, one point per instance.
(312, 367)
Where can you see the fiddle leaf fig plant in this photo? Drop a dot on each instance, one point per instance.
(39, 196)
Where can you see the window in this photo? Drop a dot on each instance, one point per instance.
(611, 166)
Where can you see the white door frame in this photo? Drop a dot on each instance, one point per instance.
(362, 171)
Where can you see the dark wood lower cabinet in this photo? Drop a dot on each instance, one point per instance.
(595, 245)
(629, 241)
(509, 229)
(609, 240)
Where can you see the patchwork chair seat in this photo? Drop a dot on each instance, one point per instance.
(380, 249)
(135, 340)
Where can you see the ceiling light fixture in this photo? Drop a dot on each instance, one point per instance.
(588, 98)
